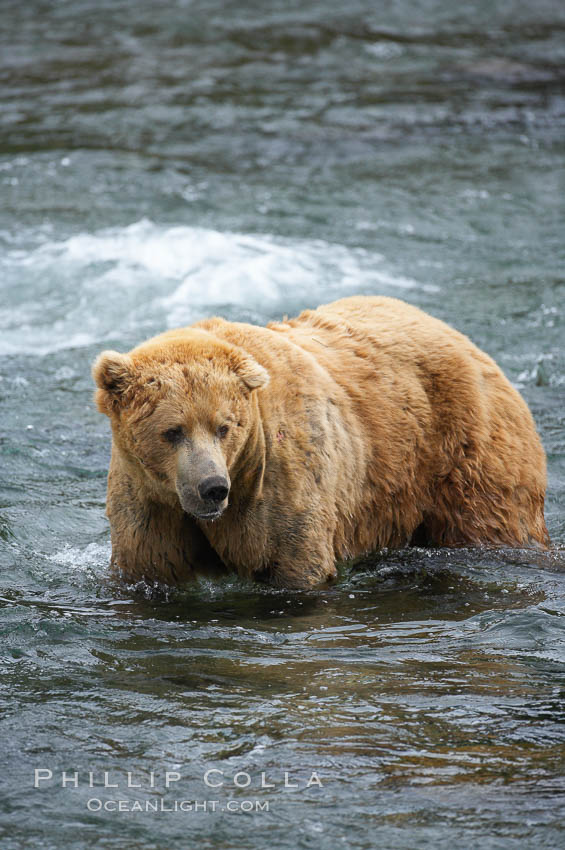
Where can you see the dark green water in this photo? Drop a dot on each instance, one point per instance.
(163, 161)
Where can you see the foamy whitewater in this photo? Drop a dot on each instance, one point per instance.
(143, 278)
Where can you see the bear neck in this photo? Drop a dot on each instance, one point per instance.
(248, 470)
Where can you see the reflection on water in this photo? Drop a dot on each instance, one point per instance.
(418, 671)
(158, 165)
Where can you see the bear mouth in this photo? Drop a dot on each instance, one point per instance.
(210, 515)
(202, 510)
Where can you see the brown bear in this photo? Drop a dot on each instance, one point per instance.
(276, 451)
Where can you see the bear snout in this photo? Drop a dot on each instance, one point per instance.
(214, 488)
(208, 500)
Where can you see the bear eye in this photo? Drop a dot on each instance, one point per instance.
(173, 435)
(223, 431)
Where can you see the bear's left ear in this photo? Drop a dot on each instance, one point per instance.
(113, 374)
(252, 374)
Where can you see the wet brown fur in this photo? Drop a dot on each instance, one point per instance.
(379, 426)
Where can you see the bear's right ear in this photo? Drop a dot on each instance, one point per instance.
(113, 374)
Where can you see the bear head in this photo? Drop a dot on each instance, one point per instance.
(182, 409)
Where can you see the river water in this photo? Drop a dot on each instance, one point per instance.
(160, 162)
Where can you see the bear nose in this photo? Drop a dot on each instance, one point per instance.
(213, 489)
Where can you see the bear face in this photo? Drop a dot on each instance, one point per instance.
(181, 412)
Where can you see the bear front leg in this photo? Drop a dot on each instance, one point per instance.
(303, 567)
(153, 541)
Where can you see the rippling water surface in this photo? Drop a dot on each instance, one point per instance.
(161, 162)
